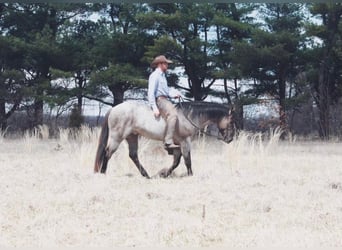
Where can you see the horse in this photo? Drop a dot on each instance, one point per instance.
(129, 120)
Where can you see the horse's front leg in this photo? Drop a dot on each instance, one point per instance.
(176, 160)
(187, 160)
(133, 153)
(186, 151)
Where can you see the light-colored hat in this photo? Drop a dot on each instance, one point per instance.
(160, 59)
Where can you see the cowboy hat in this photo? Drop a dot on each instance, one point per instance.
(160, 59)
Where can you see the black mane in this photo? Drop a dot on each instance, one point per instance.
(210, 109)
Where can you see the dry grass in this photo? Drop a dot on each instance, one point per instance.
(247, 193)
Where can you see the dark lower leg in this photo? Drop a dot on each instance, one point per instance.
(104, 164)
(133, 154)
(141, 169)
(187, 160)
(176, 160)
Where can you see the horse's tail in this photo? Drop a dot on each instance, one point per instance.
(101, 157)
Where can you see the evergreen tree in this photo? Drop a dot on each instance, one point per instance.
(325, 64)
(233, 25)
(182, 35)
(36, 25)
(271, 57)
(12, 79)
(119, 54)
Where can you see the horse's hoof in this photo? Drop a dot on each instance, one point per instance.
(163, 173)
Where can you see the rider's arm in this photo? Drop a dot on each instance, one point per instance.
(152, 91)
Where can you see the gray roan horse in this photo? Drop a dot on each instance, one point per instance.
(128, 120)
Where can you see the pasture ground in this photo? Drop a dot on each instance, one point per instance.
(248, 193)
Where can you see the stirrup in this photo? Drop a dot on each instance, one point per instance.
(171, 146)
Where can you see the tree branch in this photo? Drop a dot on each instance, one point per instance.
(98, 99)
(181, 87)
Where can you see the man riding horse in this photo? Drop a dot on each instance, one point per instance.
(129, 120)
(158, 97)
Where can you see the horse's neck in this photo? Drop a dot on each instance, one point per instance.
(201, 121)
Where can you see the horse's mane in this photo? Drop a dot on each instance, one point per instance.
(210, 109)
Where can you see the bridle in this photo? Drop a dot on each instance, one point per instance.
(180, 102)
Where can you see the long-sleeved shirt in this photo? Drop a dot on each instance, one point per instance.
(157, 86)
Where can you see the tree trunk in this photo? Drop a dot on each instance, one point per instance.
(5, 115)
(38, 111)
(118, 97)
(80, 82)
(331, 20)
(238, 107)
(282, 106)
(195, 84)
(3, 119)
(38, 105)
(118, 91)
(196, 90)
(225, 85)
(323, 103)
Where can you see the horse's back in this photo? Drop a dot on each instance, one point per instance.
(137, 118)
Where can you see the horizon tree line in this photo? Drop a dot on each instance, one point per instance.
(52, 55)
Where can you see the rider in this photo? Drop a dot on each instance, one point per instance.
(158, 98)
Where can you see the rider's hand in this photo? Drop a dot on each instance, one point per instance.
(156, 113)
(175, 93)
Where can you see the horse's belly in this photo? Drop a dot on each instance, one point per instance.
(150, 127)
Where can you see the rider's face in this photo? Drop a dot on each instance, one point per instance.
(164, 66)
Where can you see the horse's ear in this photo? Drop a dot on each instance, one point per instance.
(231, 110)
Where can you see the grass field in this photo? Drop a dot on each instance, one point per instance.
(248, 193)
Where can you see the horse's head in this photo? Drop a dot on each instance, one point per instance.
(226, 126)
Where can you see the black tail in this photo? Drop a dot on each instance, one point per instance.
(101, 159)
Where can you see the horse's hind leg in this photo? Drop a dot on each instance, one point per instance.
(133, 153)
(104, 164)
(112, 146)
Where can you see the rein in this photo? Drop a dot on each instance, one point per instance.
(180, 101)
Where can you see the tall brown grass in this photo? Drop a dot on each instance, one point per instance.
(256, 191)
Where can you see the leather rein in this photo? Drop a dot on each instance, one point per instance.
(180, 102)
